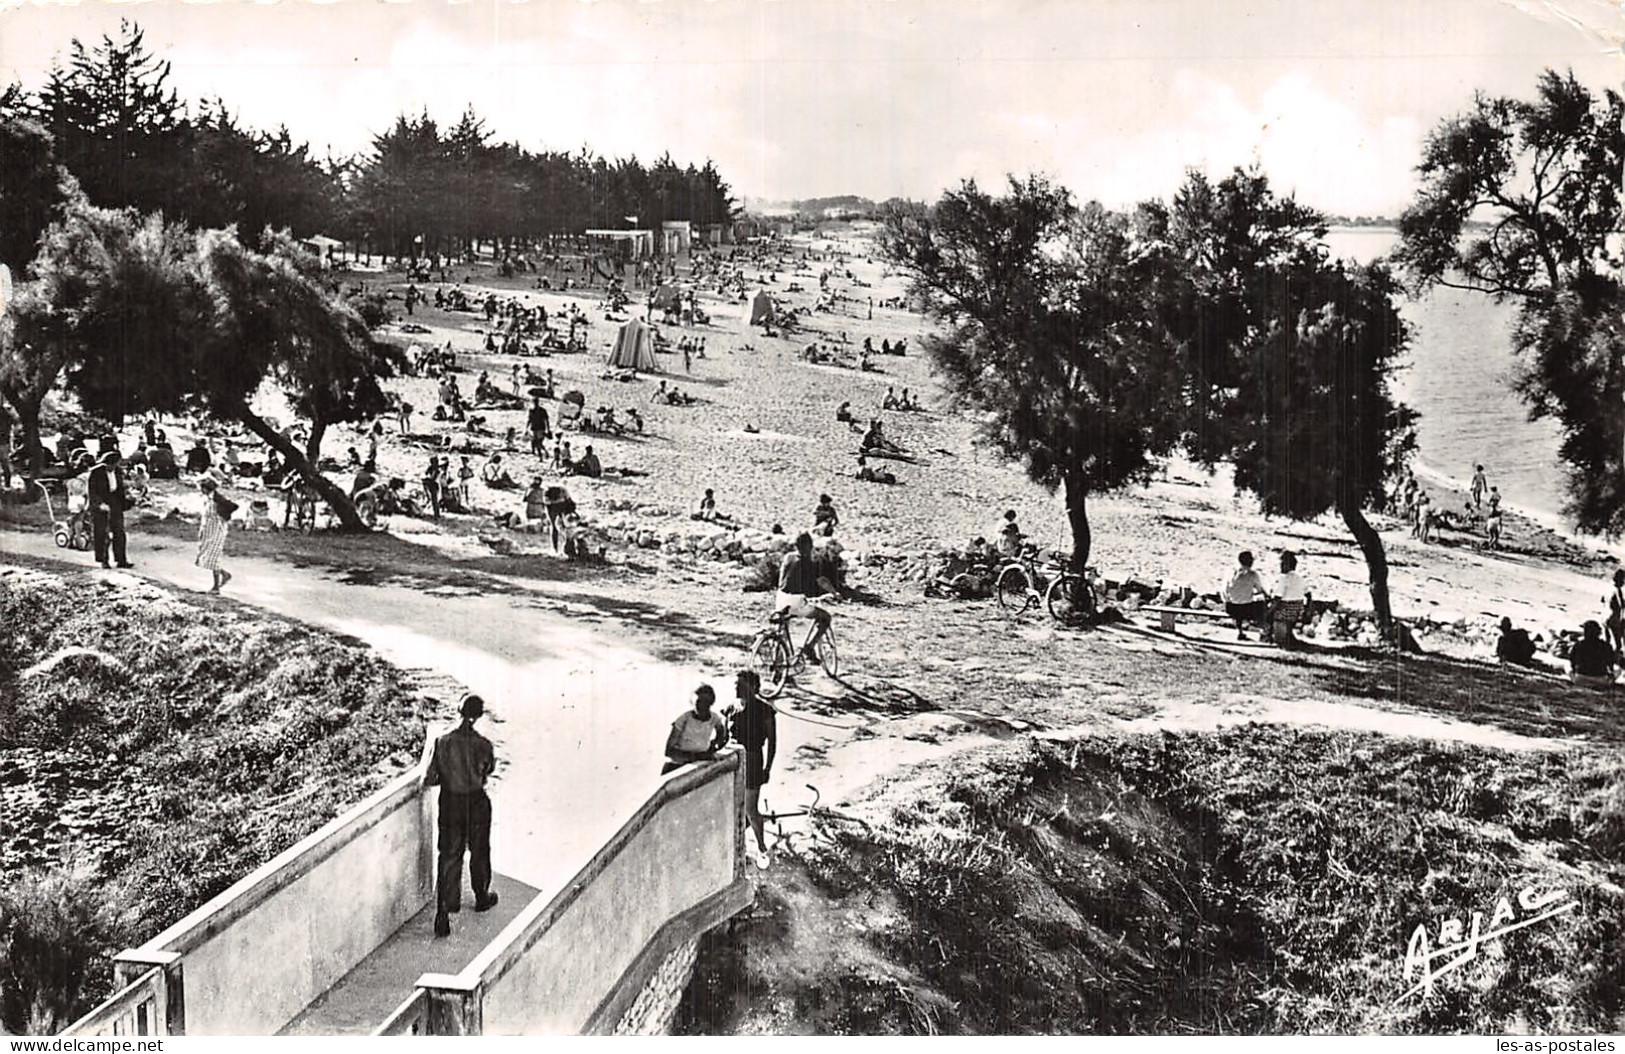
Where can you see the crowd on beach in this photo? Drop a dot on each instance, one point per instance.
(473, 454)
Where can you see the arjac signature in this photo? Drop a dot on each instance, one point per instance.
(1458, 942)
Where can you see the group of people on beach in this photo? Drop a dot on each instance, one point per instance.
(1425, 516)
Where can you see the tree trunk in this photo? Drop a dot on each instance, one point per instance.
(28, 417)
(1077, 514)
(313, 446)
(330, 492)
(1376, 560)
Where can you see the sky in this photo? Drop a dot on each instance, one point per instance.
(807, 98)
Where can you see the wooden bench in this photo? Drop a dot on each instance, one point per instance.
(1283, 618)
(1168, 616)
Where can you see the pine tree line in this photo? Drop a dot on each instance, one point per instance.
(129, 141)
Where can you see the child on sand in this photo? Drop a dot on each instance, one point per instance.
(465, 477)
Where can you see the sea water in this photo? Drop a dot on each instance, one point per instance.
(1458, 377)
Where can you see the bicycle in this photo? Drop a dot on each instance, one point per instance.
(1020, 585)
(777, 658)
(1072, 596)
(777, 835)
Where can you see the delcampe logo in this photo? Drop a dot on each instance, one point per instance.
(1458, 942)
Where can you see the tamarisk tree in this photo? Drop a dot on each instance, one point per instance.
(1520, 201)
(1052, 328)
(143, 315)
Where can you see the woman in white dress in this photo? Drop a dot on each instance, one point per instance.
(211, 535)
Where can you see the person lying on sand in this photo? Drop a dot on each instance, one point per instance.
(871, 475)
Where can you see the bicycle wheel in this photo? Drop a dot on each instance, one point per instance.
(772, 660)
(1069, 599)
(828, 657)
(1012, 590)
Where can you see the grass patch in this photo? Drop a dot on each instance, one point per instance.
(1258, 879)
(156, 750)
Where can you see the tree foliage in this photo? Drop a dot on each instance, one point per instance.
(1520, 200)
(1049, 332)
(144, 315)
(121, 129)
(1287, 357)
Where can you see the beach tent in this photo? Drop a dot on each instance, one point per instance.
(634, 348)
(667, 298)
(759, 309)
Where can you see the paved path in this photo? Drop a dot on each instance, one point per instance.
(579, 719)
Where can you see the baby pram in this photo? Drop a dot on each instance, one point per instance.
(75, 531)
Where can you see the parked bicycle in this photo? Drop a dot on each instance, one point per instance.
(1020, 584)
(1071, 596)
(778, 836)
(777, 658)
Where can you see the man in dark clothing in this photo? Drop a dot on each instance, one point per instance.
(1592, 660)
(540, 431)
(1515, 646)
(109, 497)
(198, 458)
(798, 584)
(459, 764)
(755, 727)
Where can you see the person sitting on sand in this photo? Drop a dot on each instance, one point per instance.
(708, 506)
(1010, 537)
(635, 420)
(1591, 661)
(1245, 599)
(825, 519)
(844, 413)
(588, 466)
(199, 460)
(875, 441)
(581, 542)
(1514, 645)
(495, 475)
(870, 475)
(890, 401)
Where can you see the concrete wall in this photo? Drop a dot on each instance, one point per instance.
(655, 1010)
(254, 957)
(676, 854)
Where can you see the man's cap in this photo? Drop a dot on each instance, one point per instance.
(471, 705)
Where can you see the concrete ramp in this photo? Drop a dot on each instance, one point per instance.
(364, 998)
